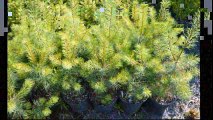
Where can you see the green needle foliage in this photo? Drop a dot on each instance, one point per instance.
(190, 8)
(180, 8)
(110, 44)
(29, 58)
(19, 107)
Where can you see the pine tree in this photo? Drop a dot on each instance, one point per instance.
(144, 51)
(16, 99)
(28, 60)
(46, 51)
(87, 10)
(19, 106)
(104, 67)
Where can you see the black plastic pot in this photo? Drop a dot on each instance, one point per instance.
(154, 108)
(80, 107)
(130, 108)
(105, 108)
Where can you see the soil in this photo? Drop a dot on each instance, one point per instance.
(75, 98)
(38, 93)
(61, 113)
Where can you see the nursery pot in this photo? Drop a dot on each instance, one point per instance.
(152, 107)
(130, 108)
(105, 108)
(79, 107)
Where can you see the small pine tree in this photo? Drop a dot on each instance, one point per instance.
(19, 107)
(16, 98)
(103, 70)
(50, 57)
(87, 10)
(28, 59)
(144, 50)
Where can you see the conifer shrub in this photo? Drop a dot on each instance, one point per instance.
(19, 107)
(39, 53)
(104, 69)
(167, 66)
(190, 8)
(181, 9)
(144, 50)
(57, 47)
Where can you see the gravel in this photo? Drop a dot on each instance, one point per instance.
(177, 110)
